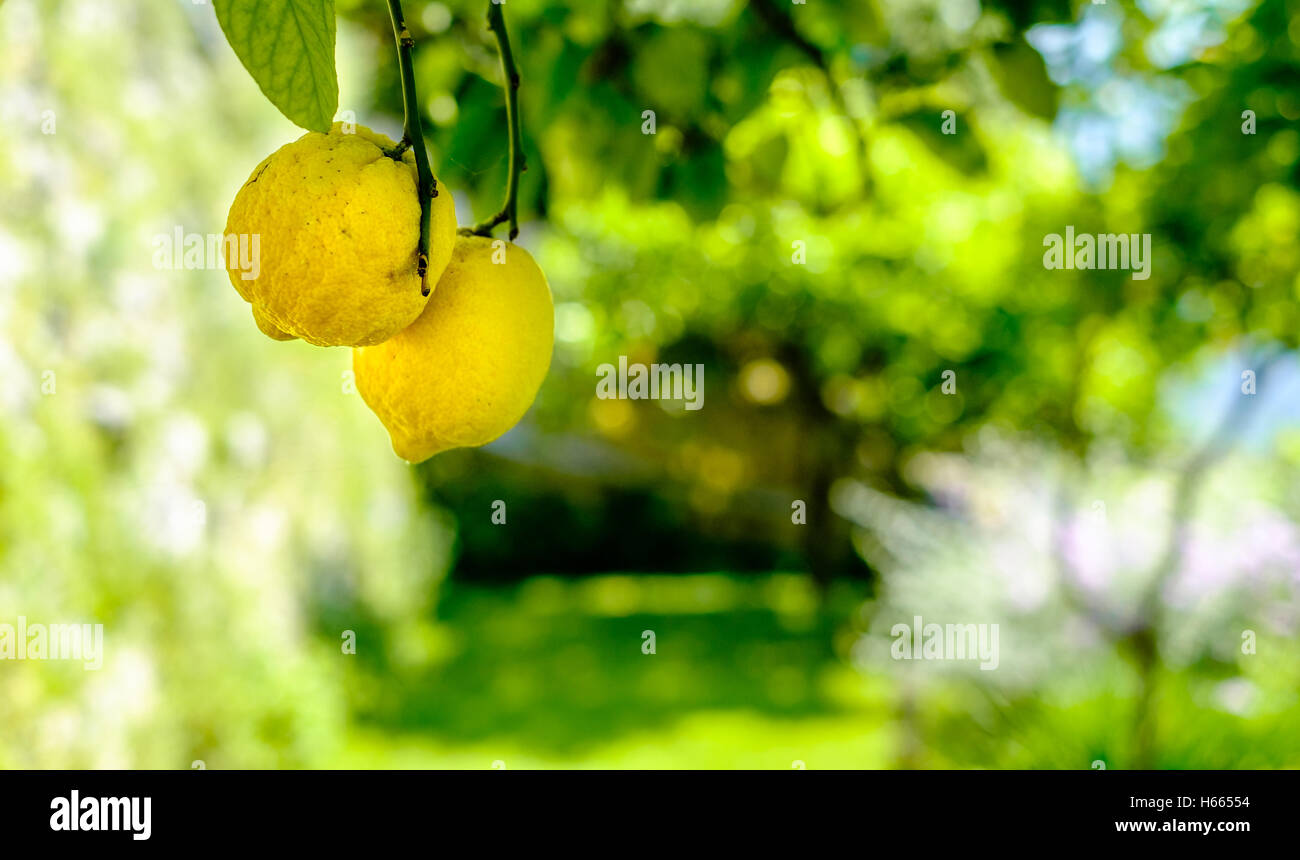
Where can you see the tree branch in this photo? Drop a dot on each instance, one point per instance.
(1185, 494)
(1187, 490)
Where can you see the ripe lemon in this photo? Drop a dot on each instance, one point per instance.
(467, 370)
(337, 225)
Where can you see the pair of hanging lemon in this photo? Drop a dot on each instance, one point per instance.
(339, 224)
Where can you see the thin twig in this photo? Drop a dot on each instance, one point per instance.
(413, 136)
(510, 208)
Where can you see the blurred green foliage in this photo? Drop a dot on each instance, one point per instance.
(821, 125)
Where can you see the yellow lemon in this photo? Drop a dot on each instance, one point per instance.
(467, 370)
(331, 225)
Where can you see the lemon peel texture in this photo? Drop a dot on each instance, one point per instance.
(469, 367)
(338, 225)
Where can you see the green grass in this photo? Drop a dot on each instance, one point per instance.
(551, 673)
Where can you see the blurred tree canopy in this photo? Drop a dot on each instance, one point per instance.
(799, 223)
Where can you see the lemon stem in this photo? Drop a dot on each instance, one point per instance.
(413, 136)
(496, 22)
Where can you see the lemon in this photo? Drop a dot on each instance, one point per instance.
(336, 223)
(268, 328)
(467, 370)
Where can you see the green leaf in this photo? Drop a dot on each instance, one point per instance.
(288, 48)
